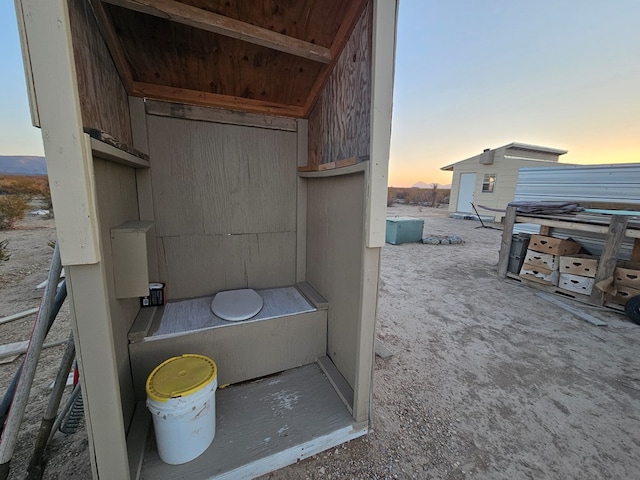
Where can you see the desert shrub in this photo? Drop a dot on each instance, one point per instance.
(430, 197)
(4, 251)
(418, 196)
(12, 209)
(27, 186)
(391, 198)
(31, 186)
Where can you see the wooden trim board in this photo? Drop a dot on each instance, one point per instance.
(26, 61)
(138, 439)
(219, 115)
(385, 20)
(302, 158)
(356, 168)
(347, 162)
(196, 97)
(313, 296)
(339, 383)
(143, 322)
(113, 154)
(583, 227)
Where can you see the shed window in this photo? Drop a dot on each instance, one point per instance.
(489, 183)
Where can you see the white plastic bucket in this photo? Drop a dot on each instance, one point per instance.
(181, 398)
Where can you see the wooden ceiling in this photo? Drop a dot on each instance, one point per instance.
(263, 56)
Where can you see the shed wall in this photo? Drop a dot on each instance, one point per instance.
(335, 226)
(103, 99)
(506, 171)
(339, 124)
(224, 205)
(117, 203)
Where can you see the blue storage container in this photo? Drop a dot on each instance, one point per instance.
(404, 230)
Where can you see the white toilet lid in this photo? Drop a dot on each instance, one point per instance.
(236, 305)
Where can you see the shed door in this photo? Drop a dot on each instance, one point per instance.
(465, 192)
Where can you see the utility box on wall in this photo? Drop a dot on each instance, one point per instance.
(404, 230)
(129, 246)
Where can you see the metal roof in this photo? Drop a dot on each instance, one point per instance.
(614, 183)
(522, 147)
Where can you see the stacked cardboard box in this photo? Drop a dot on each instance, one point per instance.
(542, 260)
(627, 282)
(577, 273)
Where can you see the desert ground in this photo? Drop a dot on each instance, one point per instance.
(486, 380)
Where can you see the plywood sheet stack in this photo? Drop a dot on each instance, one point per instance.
(627, 282)
(577, 273)
(541, 263)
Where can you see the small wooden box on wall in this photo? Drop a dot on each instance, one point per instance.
(129, 249)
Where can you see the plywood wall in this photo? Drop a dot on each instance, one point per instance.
(335, 226)
(224, 205)
(103, 100)
(117, 203)
(339, 124)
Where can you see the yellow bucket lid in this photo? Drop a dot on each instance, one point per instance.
(180, 376)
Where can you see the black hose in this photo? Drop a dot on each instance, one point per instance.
(5, 404)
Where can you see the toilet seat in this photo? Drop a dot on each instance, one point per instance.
(237, 305)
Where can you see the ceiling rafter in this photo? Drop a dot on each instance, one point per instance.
(113, 43)
(213, 22)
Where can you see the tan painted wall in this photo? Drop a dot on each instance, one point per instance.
(335, 227)
(506, 171)
(224, 199)
(117, 203)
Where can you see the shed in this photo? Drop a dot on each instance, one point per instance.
(215, 145)
(488, 180)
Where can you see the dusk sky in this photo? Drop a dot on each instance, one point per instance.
(470, 75)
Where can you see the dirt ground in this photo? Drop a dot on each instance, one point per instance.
(487, 380)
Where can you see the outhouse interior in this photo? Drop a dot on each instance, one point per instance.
(211, 145)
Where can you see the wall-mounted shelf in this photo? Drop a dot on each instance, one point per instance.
(109, 152)
(333, 172)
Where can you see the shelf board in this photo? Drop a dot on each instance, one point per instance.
(333, 172)
(109, 152)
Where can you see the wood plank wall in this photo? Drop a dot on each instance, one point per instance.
(117, 203)
(335, 244)
(225, 205)
(339, 124)
(103, 101)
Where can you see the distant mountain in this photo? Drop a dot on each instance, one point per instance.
(22, 165)
(430, 185)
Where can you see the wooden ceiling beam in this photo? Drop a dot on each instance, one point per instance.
(207, 99)
(213, 22)
(113, 44)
